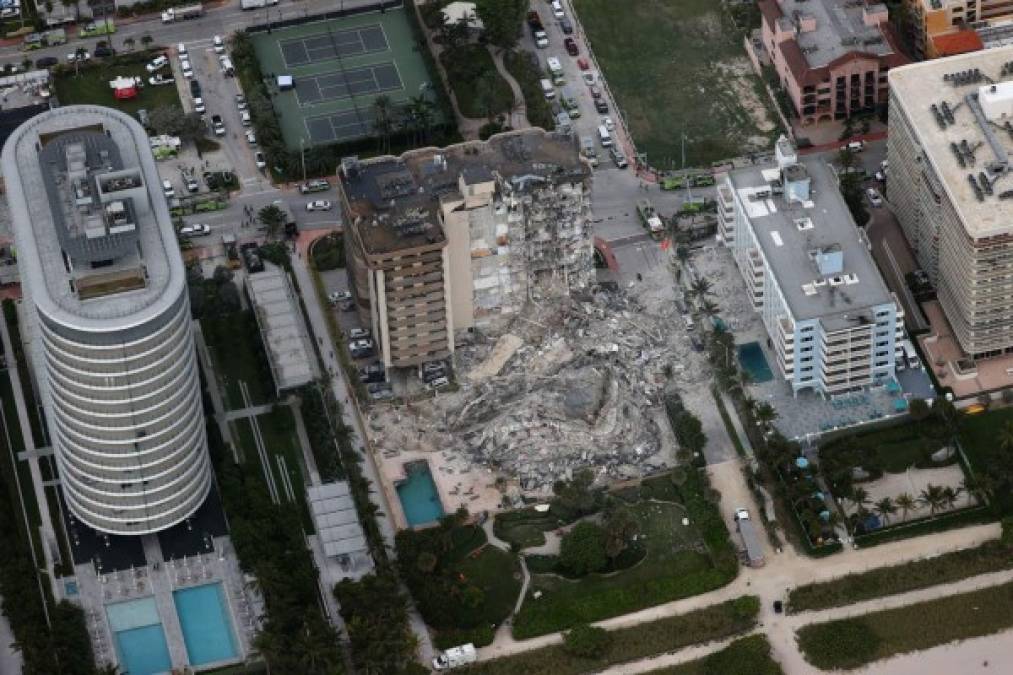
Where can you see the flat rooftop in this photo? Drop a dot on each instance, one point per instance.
(922, 90)
(280, 322)
(96, 246)
(840, 28)
(790, 233)
(398, 197)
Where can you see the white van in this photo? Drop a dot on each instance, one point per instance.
(604, 137)
(548, 90)
(910, 355)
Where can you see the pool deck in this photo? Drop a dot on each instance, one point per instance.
(159, 579)
(457, 484)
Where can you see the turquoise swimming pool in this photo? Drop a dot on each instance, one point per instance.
(204, 618)
(417, 494)
(753, 361)
(140, 640)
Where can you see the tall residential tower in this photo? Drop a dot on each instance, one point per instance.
(106, 308)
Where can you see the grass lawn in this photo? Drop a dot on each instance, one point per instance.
(277, 428)
(978, 438)
(467, 66)
(745, 655)
(990, 557)
(238, 355)
(891, 450)
(709, 90)
(716, 622)
(850, 643)
(91, 85)
(528, 76)
(674, 567)
(524, 528)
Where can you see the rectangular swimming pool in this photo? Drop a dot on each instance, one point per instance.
(140, 640)
(418, 496)
(753, 361)
(204, 618)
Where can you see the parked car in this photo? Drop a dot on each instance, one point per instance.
(315, 185)
(318, 205)
(195, 88)
(881, 176)
(195, 230)
(219, 44)
(360, 349)
(184, 65)
(382, 394)
(571, 46)
(181, 49)
(240, 102)
(374, 372)
(359, 334)
(217, 125)
(198, 105)
(874, 197)
(76, 56)
(608, 123)
(103, 51)
(158, 63)
(595, 91)
(244, 117)
(583, 64)
(557, 9)
(589, 78)
(259, 159)
(601, 106)
(618, 157)
(46, 62)
(251, 137)
(167, 189)
(337, 296)
(438, 383)
(566, 26)
(158, 79)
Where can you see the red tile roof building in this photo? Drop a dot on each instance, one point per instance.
(831, 56)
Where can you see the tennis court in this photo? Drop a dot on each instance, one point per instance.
(332, 44)
(347, 83)
(339, 67)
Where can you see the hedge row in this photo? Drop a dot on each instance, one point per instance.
(716, 622)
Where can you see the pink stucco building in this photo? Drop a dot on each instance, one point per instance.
(831, 56)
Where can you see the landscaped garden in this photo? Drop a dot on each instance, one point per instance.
(598, 649)
(463, 585)
(629, 556)
(238, 356)
(90, 84)
(854, 642)
(524, 68)
(480, 90)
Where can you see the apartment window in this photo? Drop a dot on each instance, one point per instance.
(808, 338)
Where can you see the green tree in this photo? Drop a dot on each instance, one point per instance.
(129, 43)
(765, 414)
(582, 549)
(621, 525)
(919, 409)
(700, 287)
(577, 496)
(906, 503)
(933, 496)
(272, 218)
(885, 508)
(166, 119)
(383, 120)
(587, 641)
(502, 20)
(689, 432)
(487, 94)
(146, 40)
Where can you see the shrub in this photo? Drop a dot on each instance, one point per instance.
(839, 644)
(583, 549)
(746, 656)
(589, 642)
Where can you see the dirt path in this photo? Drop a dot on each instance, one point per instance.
(519, 117)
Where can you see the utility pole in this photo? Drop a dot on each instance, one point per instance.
(689, 182)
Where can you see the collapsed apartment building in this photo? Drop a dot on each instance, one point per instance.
(440, 241)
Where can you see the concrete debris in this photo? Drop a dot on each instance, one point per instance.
(576, 380)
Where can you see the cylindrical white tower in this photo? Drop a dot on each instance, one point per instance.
(112, 338)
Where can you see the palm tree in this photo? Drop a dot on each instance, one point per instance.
(950, 497)
(1006, 436)
(708, 307)
(79, 54)
(885, 508)
(146, 40)
(765, 414)
(383, 122)
(272, 218)
(933, 497)
(128, 43)
(906, 503)
(26, 63)
(859, 498)
(700, 287)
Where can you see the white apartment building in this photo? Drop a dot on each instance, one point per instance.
(832, 323)
(949, 147)
(107, 313)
